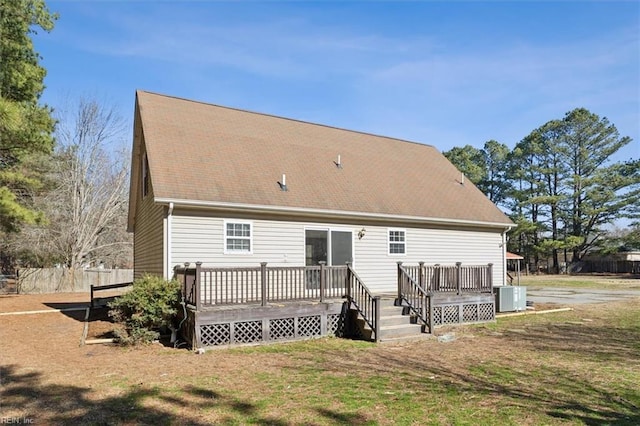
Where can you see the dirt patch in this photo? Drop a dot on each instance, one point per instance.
(100, 324)
(71, 305)
(36, 302)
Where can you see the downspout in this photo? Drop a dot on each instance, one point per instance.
(174, 330)
(169, 232)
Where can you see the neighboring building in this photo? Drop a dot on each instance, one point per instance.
(232, 188)
(625, 262)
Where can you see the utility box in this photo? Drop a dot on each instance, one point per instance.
(511, 298)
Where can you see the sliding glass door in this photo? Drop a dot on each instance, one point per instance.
(333, 247)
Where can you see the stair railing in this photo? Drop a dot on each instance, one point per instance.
(413, 295)
(367, 305)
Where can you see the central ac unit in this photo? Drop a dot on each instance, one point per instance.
(511, 298)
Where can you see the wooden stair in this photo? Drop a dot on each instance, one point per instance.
(396, 324)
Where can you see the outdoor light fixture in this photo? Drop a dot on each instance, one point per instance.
(361, 233)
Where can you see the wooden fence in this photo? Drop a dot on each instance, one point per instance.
(609, 267)
(53, 280)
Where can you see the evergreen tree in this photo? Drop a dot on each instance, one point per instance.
(25, 126)
(470, 161)
(599, 191)
(559, 183)
(484, 167)
(495, 183)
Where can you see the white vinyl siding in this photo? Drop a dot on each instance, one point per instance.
(199, 238)
(378, 269)
(279, 243)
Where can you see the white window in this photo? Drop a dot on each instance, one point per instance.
(397, 244)
(237, 237)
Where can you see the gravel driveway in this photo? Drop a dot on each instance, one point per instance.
(572, 296)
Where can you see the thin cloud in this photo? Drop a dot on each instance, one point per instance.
(541, 69)
(286, 47)
(415, 85)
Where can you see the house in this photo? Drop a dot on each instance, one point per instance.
(233, 189)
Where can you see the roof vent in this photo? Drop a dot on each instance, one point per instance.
(338, 163)
(283, 183)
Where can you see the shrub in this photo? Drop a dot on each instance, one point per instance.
(149, 306)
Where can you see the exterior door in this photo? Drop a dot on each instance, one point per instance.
(341, 247)
(316, 246)
(334, 248)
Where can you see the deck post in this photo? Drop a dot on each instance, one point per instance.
(376, 315)
(423, 309)
(263, 282)
(459, 277)
(436, 278)
(347, 285)
(431, 325)
(399, 299)
(184, 280)
(490, 277)
(322, 279)
(421, 276)
(430, 313)
(92, 295)
(198, 285)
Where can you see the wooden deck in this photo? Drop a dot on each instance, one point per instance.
(235, 306)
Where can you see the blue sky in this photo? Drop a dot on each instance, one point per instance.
(443, 73)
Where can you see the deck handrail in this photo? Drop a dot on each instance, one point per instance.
(413, 295)
(456, 278)
(95, 288)
(187, 278)
(260, 285)
(202, 287)
(360, 297)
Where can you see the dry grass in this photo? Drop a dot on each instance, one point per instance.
(579, 367)
(603, 281)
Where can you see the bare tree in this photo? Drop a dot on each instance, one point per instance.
(86, 206)
(91, 196)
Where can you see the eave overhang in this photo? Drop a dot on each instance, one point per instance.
(335, 215)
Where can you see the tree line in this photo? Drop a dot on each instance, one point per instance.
(63, 189)
(561, 187)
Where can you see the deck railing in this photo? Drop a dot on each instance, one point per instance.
(413, 295)
(368, 305)
(456, 278)
(204, 287)
(187, 278)
(260, 285)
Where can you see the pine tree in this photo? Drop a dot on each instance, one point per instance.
(26, 127)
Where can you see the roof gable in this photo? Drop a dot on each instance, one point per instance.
(204, 153)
